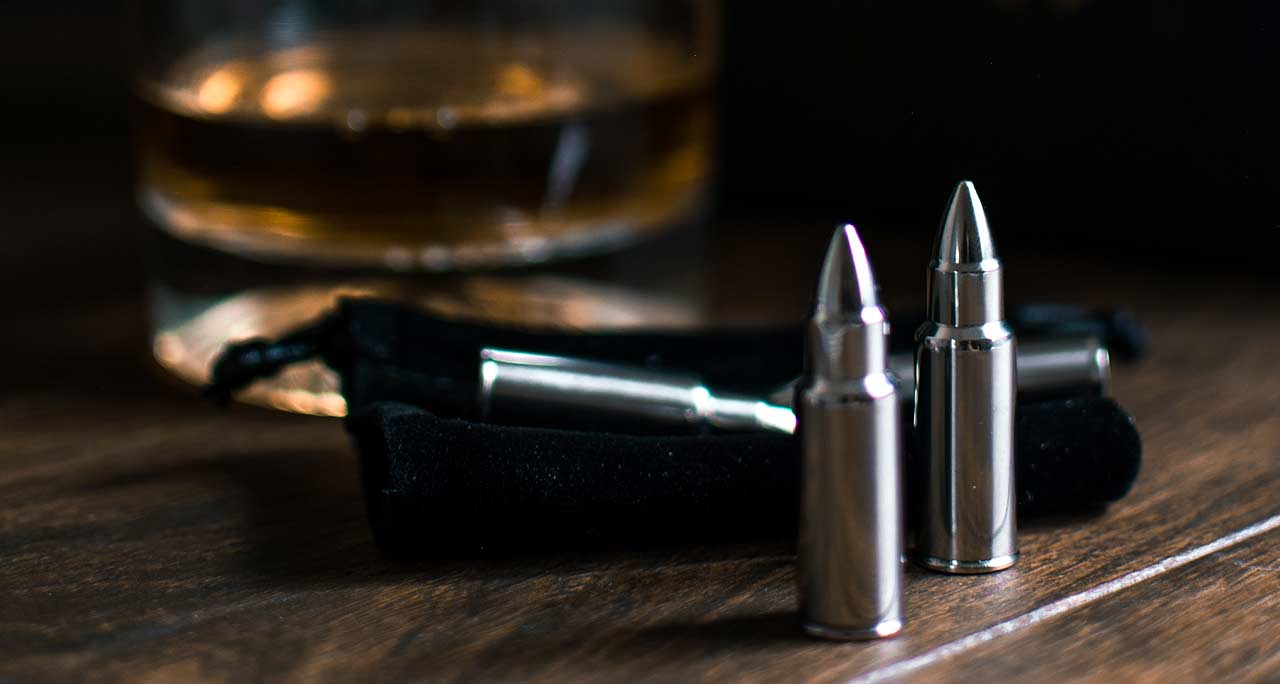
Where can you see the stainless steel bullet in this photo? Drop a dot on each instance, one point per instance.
(963, 510)
(850, 549)
(512, 381)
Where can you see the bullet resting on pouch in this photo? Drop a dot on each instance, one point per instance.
(512, 380)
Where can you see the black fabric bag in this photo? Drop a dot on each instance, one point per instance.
(437, 480)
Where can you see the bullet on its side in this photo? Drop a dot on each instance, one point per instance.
(850, 546)
(962, 501)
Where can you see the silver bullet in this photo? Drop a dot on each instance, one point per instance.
(964, 520)
(512, 381)
(850, 549)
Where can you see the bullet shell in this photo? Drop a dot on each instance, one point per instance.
(515, 384)
(850, 547)
(962, 501)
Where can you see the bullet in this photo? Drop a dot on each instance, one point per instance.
(850, 545)
(514, 383)
(962, 500)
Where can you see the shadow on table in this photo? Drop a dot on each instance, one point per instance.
(727, 634)
(1050, 520)
(298, 517)
(302, 519)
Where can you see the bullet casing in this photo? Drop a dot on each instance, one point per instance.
(851, 517)
(965, 412)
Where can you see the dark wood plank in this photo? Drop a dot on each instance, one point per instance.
(144, 536)
(1213, 620)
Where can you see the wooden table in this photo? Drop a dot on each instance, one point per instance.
(147, 537)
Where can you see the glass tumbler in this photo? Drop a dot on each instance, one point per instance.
(422, 136)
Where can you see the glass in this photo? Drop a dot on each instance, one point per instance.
(201, 299)
(423, 135)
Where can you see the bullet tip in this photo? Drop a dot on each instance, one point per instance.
(964, 236)
(846, 287)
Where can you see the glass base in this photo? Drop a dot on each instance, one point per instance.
(522, 241)
(201, 300)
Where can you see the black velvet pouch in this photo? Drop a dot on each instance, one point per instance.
(439, 481)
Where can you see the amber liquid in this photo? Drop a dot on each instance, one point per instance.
(427, 149)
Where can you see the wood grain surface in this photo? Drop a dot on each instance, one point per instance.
(147, 537)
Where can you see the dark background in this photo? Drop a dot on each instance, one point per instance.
(1141, 133)
(1140, 128)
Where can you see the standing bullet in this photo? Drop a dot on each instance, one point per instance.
(850, 549)
(963, 493)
